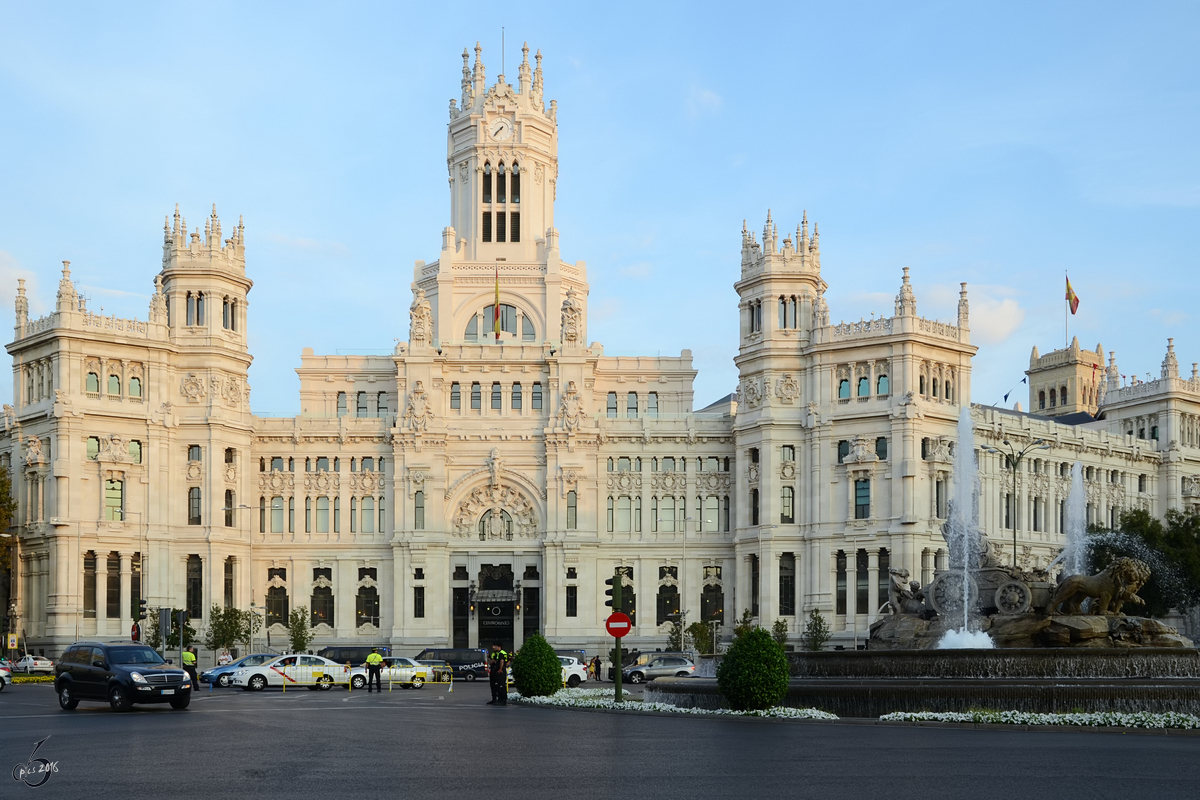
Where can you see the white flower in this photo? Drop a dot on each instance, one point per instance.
(605, 698)
(1105, 719)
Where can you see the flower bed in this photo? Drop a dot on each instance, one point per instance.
(604, 698)
(1097, 720)
(33, 679)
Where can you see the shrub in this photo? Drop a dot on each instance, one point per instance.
(779, 631)
(754, 674)
(816, 633)
(536, 669)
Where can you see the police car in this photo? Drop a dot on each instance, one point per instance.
(293, 671)
(573, 673)
(396, 669)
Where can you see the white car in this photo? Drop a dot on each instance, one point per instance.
(32, 664)
(5, 677)
(573, 673)
(396, 669)
(293, 671)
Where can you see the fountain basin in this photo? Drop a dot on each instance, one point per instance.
(907, 632)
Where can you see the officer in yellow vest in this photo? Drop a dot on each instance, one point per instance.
(189, 664)
(374, 670)
(498, 674)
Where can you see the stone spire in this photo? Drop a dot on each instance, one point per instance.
(477, 76)
(964, 308)
(523, 77)
(22, 304)
(537, 81)
(68, 298)
(1170, 365)
(906, 301)
(468, 95)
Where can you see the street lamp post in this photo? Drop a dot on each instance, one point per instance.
(1013, 457)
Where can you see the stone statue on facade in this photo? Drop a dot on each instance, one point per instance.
(572, 319)
(420, 313)
(419, 413)
(570, 410)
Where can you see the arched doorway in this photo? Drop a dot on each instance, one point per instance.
(495, 605)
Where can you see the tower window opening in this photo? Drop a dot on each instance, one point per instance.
(487, 185)
(500, 183)
(515, 224)
(500, 226)
(514, 194)
(487, 226)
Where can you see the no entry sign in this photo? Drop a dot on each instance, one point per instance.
(618, 624)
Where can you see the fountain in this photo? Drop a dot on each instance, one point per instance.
(1075, 556)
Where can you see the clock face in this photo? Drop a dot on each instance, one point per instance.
(500, 129)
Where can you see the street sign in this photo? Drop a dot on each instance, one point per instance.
(135, 632)
(12, 641)
(618, 625)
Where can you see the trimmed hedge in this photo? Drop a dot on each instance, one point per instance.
(33, 679)
(754, 673)
(536, 669)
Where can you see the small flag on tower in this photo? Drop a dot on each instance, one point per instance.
(1072, 298)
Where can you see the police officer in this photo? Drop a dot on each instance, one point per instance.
(498, 674)
(374, 670)
(189, 664)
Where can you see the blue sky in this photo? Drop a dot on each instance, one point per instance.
(998, 144)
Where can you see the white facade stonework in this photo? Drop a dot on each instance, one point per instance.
(477, 485)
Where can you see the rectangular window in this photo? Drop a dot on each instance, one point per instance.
(572, 601)
(572, 510)
(712, 513)
(93, 447)
(322, 515)
(840, 602)
(291, 515)
(754, 575)
(341, 404)
(666, 513)
(89, 585)
(516, 221)
(114, 500)
(419, 602)
(612, 405)
(516, 397)
(862, 583)
(754, 506)
(337, 515)
(229, 582)
(652, 405)
(862, 499)
(610, 515)
(496, 398)
(193, 452)
(419, 511)
(631, 405)
(360, 409)
(787, 585)
(262, 515)
(476, 396)
(500, 223)
(787, 500)
(195, 587)
(500, 185)
(535, 398)
(277, 514)
(725, 513)
(112, 594)
(194, 516)
(487, 217)
(455, 395)
(368, 515)
(624, 513)
(788, 452)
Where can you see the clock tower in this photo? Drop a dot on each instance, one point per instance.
(502, 156)
(503, 160)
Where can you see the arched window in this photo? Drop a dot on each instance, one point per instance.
(497, 397)
(225, 313)
(631, 405)
(1062, 395)
(194, 515)
(572, 510)
(844, 389)
(93, 383)
(277, 606)
(476, 396)
(500, 186)
(366, 611)
(191, 309)
(1042, 399)
(883, 387)
(949, 390)
(195, 587)
(792, 323)
(516, 397)
(487, 185)
(489, 525)
(114, 385)
(514, 193)
(1053, 398)
(864, 387)
(527, 332)
(922, 385)
(233, 314)
(783, 313)
(472, 331)
(322, 602)
(935, 389)
(135, 388)
(199, 308)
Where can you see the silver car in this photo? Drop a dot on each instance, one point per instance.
(660, 667)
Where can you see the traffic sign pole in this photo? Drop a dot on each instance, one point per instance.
(617, 639)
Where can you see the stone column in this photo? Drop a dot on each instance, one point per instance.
(872, 584)
(101, 593)
(926, 567)
(126, 590)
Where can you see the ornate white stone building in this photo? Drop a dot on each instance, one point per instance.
(483, 481)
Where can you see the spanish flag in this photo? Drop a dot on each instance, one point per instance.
(1072, 298)
(496, 306)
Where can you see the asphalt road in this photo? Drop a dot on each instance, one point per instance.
(431, 743)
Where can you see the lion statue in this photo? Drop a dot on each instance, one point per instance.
(1109, 590)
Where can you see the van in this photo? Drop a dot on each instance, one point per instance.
(468, 664)
(354, 655)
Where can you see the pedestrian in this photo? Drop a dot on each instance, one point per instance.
(189, 665)
(498, 674)
(224, 659)
(595, 668)
(374, 670)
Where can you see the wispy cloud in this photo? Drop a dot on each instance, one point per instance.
(314, 246)
(10, 271)
(641, 270)
(112, 292)
(702, 102)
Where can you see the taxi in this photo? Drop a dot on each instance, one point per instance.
(292, 671)
(396, 669)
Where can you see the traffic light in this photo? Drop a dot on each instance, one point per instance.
(141, 609)
(614, 594)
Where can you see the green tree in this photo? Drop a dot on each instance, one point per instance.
(701, 634)
(744, 625)
(300, 631)
(224, 628)
(8, 509)
(779, 631)
(154, 636)
(816, 632)
(189, 633)
(677, 635)
(1170, 546)
(754, 673)
(536, 669)
(250, 623)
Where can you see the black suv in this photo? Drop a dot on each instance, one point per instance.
(122, 673)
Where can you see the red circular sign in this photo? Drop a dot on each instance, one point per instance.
(618, 624)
